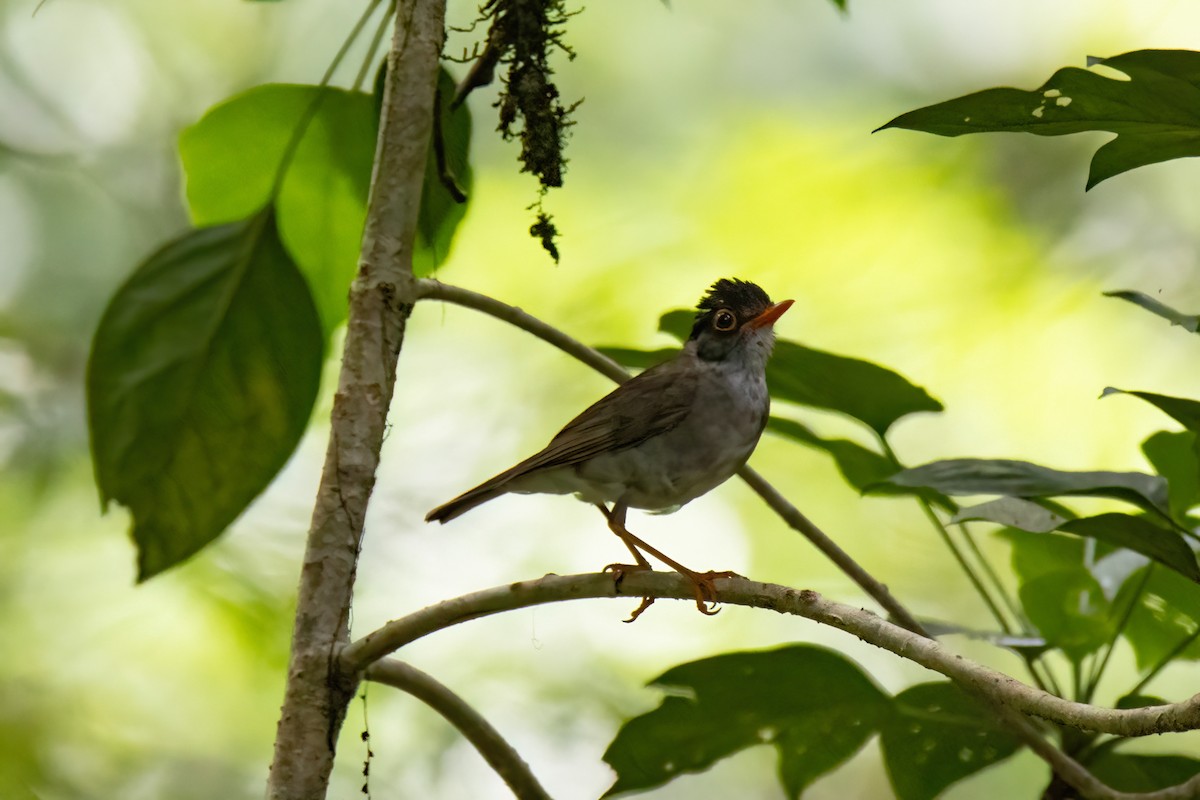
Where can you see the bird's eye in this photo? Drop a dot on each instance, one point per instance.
(724, 320)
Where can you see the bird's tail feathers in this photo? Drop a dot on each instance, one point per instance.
(465, 502)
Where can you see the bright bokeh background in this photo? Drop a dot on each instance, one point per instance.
(716, 139)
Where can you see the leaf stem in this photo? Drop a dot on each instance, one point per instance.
(310, 111)
(369, 58)
(1183, 644)
(1126, 613)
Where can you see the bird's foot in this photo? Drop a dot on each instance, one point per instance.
(619, 571)
(706, 590)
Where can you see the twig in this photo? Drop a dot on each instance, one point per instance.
(498, 753)
(436, 290)
(865, 625)
(381, 299)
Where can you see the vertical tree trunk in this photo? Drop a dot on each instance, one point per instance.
(381, 299)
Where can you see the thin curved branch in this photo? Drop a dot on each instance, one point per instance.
(865, 625)
(436, 290)
(496, 751)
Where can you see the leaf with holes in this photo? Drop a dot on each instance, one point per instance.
(1155, 113)
(982, 476)
(937, 736)
(815, 706)
(202, 377)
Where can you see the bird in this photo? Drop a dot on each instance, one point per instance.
(664, 437)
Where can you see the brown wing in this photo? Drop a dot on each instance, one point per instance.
(650, 404)
(647, 405)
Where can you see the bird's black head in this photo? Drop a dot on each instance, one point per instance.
(730, 311)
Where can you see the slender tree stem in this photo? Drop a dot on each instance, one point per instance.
(381, 298)
(498, 753)
(865, 625)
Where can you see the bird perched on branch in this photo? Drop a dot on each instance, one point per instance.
(664, 437)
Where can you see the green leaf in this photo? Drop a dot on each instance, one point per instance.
(1189, 322)
(1155, 114)
(1174, 455)
(860, 466)
(231, 157)
(1159, 544)
(1165, 615)
(1142, 773)
(441, 211)
(937, 736)
(1068, 607)
(867, 392)
(1014, 512)
(202, 376)
(1139, 701)
(638, 359)
(1185, 412)
(971, 476)
(1037, 554)
(815, 706)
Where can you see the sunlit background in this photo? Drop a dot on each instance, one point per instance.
(715, 139)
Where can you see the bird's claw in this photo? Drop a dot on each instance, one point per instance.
(706, 591)
(619, 571)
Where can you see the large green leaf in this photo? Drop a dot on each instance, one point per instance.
(1189, 322)
(981, 476)
(231, 157)
(815, 706)
(1175, 455)
(202, 376)
(867, 392)
(1165, 614)
(1070, 610)
(938, 736)
(1155, 114)
(232, 154)
(1134, 772)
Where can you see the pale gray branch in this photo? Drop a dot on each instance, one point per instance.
(865, 625)
(381, 299)
(791, 515)
(498, 753)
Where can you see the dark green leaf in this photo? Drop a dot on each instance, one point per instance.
(1069, 609)
(860, 466)
(1155, 114)
(441, 210)
(1174, 456)
(867, 392)
(1185, 412)
(1165, 615)
(1139, 701)
(1189, 322)
(1142, 773)
(971, 476)
(1159, 544)
(815, 706)
(1014, 512)
(201, 380)
(231, 157)
(938, 736)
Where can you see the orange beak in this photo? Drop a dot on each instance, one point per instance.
(768, 317)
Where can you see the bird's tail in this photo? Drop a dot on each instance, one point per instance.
(463, 503)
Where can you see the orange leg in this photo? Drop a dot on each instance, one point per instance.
(702, 581)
